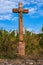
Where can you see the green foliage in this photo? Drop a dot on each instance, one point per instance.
(33, 45)
(9, 44)
(41, 40)
(42, 29)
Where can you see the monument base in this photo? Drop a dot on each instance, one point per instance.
(21, 48)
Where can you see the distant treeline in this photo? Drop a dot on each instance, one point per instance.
(9, 44)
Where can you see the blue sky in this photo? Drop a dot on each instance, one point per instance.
(33, 21)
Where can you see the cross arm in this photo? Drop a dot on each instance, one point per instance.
(25, 10)
(15, 10)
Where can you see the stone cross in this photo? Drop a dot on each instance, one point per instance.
(21, 43)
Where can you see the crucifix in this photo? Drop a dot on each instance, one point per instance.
(21, 43)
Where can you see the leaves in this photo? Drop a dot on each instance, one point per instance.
(9, 44)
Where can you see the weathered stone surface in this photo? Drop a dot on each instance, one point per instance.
(21, 44)
(21, 48)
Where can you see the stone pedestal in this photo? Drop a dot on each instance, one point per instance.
(21, 48)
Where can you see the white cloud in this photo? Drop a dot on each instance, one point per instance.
(5, 17)
(33, 31)
(7, 5)
(31, 10)
(15, 19)
(29, 29)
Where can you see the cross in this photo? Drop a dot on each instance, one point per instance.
(20, 10)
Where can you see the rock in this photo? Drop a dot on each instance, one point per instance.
(20, 62)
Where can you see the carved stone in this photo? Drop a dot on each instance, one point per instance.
(21, 43)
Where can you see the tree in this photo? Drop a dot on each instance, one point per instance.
(42, 29)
